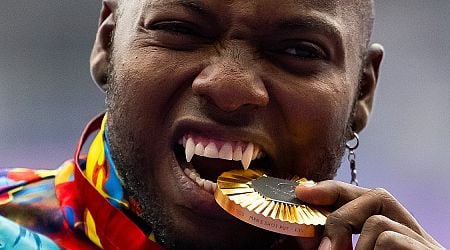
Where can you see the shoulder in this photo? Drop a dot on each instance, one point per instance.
(23, 185)
(14, 236)
(30, 208)
(27, 197)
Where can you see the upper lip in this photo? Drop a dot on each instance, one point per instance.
(217, 131)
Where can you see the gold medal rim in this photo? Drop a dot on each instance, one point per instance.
(261, 221)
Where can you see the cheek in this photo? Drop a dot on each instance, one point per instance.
(316, 113)
(149, 79)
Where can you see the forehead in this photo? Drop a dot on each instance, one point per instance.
(329, 15)
(325, 5)
(246, 7)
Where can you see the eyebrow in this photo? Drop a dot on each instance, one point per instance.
(297, 23)
(195, 6)
(305, 23)
(309, 23)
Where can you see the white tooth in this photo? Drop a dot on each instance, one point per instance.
(214, 185)
(183, 140)
(193, 176)
(200, 181)
(247, 156)
(187, 171)
(255, 152)
(195, 172)
(226, 152)
(237, 154)
(199, 149)
(211, 151)
(189, 150)
(207, 185)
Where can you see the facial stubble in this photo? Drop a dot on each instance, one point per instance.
(131, 159)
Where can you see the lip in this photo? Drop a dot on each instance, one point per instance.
(198, 201)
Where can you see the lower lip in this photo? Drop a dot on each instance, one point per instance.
(196, 199)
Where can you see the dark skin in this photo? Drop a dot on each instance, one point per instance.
(294, 77)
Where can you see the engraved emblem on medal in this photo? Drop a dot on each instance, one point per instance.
(269, 203)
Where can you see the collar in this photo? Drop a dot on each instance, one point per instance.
(104, 223)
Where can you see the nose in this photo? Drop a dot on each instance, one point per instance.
(230, 85)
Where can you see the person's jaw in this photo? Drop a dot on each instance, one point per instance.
(180, 211)
(170, 200)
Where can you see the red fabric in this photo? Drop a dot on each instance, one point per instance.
(114, 228)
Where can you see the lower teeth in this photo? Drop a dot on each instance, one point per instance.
(207, 185)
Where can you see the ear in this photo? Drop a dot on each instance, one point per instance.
(368, 84)
(101, 50)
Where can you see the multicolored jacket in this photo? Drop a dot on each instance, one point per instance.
(80, 205)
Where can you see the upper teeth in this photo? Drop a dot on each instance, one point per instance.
(227, 150)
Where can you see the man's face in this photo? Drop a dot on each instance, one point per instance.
(222, 75)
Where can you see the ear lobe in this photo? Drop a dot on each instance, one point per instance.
(101, 50)
(369, 79)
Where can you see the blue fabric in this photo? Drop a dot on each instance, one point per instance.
(14, 236)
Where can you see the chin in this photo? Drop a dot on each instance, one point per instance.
(203, 234)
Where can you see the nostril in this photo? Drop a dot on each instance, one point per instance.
(233, 97)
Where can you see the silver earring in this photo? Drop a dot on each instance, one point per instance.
(352, 158)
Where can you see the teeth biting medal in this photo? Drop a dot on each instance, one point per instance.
(250, 195)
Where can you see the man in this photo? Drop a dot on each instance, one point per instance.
(215, 85)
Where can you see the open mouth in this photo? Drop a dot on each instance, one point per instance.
(203, 159)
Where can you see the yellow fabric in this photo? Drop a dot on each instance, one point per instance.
(96, 169)
(90, 228)
(65, 172)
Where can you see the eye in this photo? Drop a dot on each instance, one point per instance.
(305, 50)
(176, 34)
(300, 56)
(176, 28)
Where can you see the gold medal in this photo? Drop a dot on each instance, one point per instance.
(267, 202)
